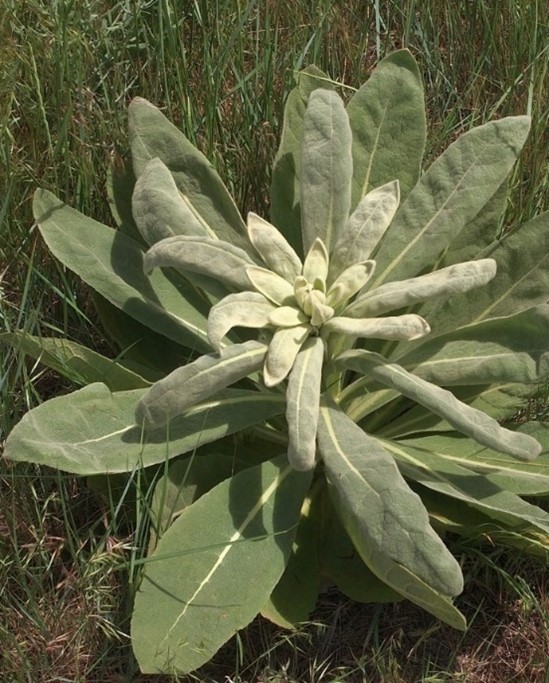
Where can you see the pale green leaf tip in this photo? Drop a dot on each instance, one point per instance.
(140, 102)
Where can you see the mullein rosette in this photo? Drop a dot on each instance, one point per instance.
(324, 313)
(310, 313)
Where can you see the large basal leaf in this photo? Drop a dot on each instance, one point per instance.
(481, 491)
(385, 519)
(159, 209)
(285, 192)
(140, 346)
(451, 515)
(75, 362)
(383, 148)
(295, 595)
(480, 232)
(499, 401)
(112, 263)
(197, 381)
(461, 416)
(450, 194)
(342, 563)
(152, 136)
(215, 567)
(183, 482)
(93, 431)
(520, 478)
(522, 279)
(120, 186)
(514, 349)
(326, 169)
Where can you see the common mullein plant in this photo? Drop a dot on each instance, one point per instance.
(316, 398)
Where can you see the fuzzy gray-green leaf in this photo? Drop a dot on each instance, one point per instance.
(462, 417)
(93, 430)
(151, 136)
(482, 492)
(302, 404)
(287, 316)
(273, 248)
(271, 285)
(315, 264)
(112, 263)
(522, 478)
(455, 279)
(522, 279)
(286, 177)
(159, 209)
(283, 349)
(326, 169)
(193, 597)
(366, 227)
(513, 349)
(387, 117)
(197, 381)
(450, 194)
(204, 255)
(74, 361)
(385, 519)
(244, 309)
(400, 327)
(351, 280)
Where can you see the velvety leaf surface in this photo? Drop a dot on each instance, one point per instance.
(480, 232)
(196, 381)
(448, 195)
(285, 198)
(387, 117)
(365, 228)
(402, 327)
(455, 279)
(514, 349)
(514, 476)
(151, 136)
(499, 401)
(113, 264)
(343, 564)
(93, 431)
(203, 255)
(482, 491)
(522, 279)
(160, 210)
(295, 595)
(184, 481)
(302, 404)
(462, 417)
(273, 248)
(385, 519)
(75, 362)
(283, 349)
(244, 309)
(326, 169)
(194, 595)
